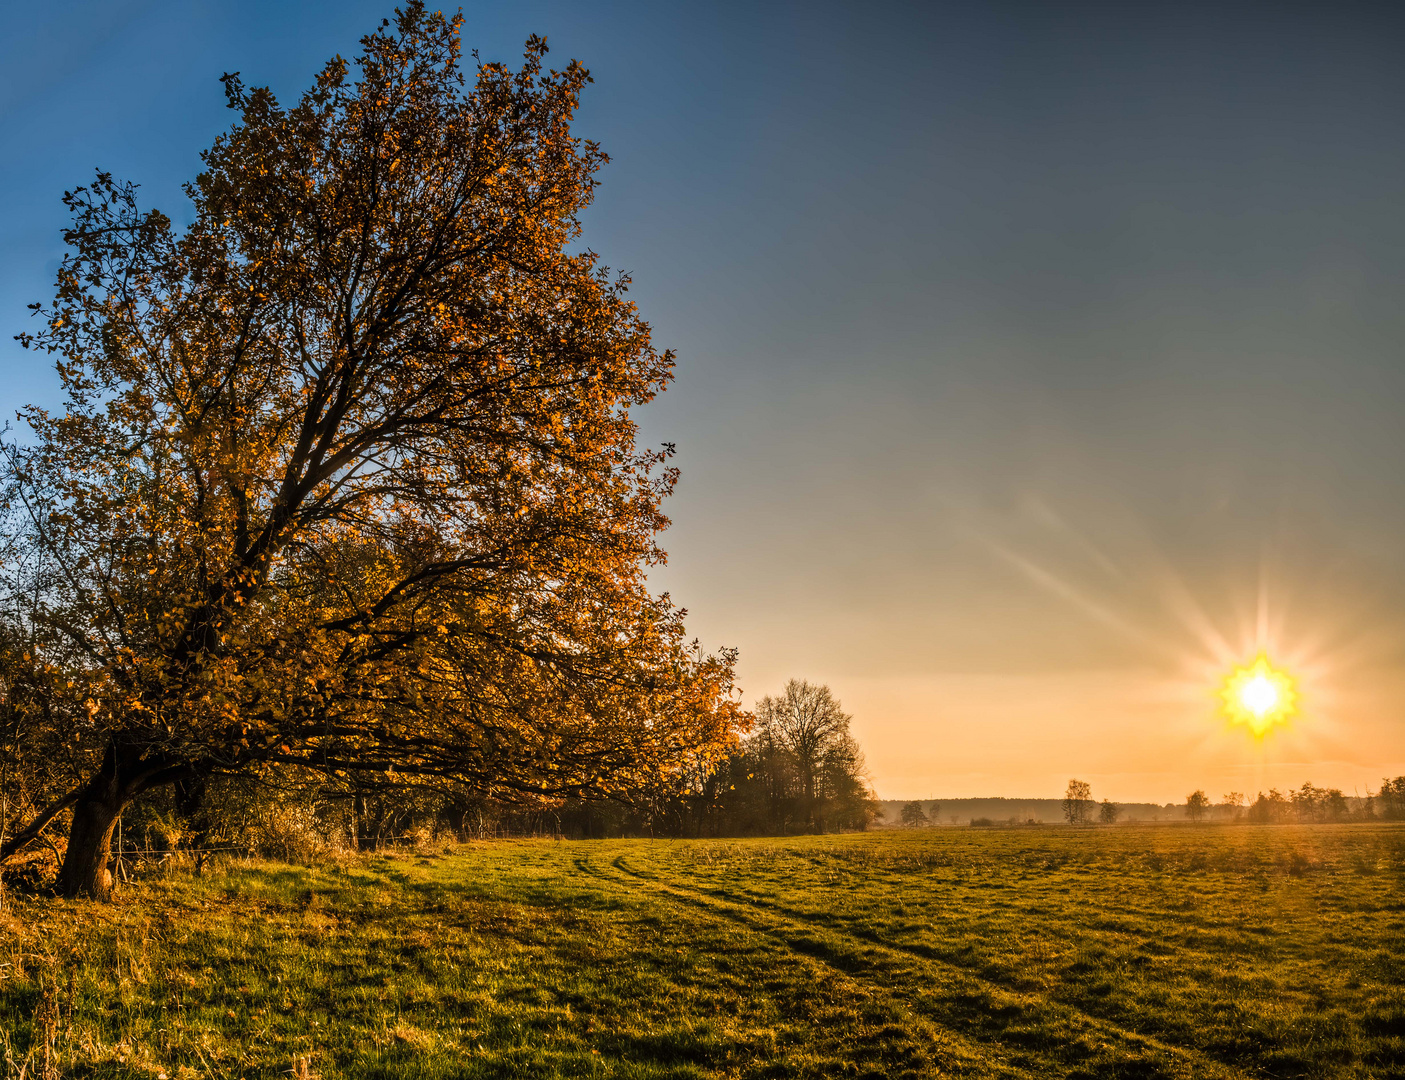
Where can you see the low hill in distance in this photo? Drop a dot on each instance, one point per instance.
(1000, 811)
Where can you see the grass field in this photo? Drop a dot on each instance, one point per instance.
(1128, 952)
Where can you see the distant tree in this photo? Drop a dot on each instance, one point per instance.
(1078, 802)
(1108, 811)
(800, 770)
(912, 815)
(1233, 804)
(803, 724)
(843, 798)
(1391, 799)
(1306, 803)
(1269, 809)
(1315, 804)
(1196, 803)
(933, 810)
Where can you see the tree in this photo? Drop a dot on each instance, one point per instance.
(805, 724)
(1392, 798)
(1233, 804)
(1196, 803)
(912, 815)
(1318, 804)
(1269, 809)
(1108, 811)
(802, 768)
(758, 789)
(843, 798)
(1078, 802)
(346, 476)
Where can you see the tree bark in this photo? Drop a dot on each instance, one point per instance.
(364, 840)
(126, 772)
(85, 865)
(101, 802)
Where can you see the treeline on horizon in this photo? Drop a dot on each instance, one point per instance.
(1307, 804)
(799, 771)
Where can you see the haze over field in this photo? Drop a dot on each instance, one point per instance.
(1035, 368)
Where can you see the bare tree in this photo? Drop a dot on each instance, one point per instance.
(1233, 804)
(805, 723)
(1196, 803)
(1078, 802)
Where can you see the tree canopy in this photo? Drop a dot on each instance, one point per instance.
(1078, 802)
(346, 476)
(913, 816)
(812, 764)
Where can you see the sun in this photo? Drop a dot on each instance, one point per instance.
(1259, 696)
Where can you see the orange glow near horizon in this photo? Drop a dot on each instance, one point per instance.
(1259, 696)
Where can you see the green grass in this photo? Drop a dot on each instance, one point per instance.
(1130, 952)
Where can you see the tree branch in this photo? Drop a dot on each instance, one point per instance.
(39, 824)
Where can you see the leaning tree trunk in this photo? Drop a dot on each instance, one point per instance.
(85, 865)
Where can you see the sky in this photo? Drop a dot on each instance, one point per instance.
(1038, 364)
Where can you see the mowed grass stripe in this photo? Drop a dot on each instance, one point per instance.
(1091, 931)
(957, 1054)
(1321, 998)
(1317, 961)
(969, 1007)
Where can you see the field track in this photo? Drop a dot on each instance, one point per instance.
(1127, 952)
(900, 976)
